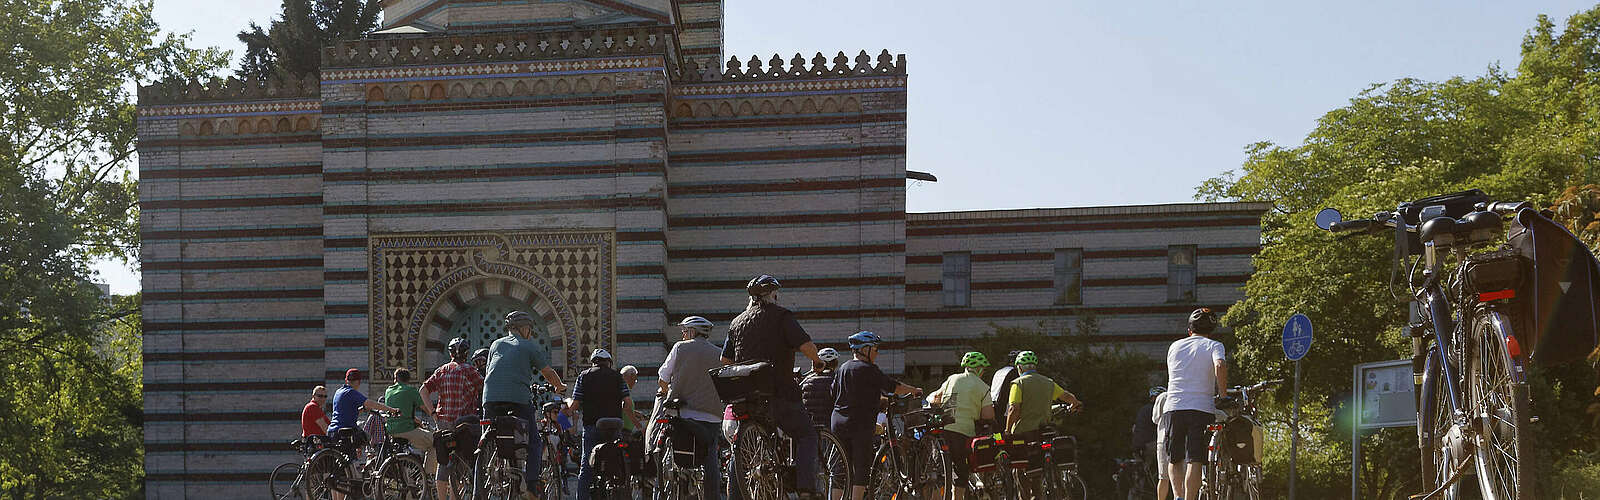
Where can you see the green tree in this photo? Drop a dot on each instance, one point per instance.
(1527, 136)
(1113, 383)
(70, 409)
(291, 47)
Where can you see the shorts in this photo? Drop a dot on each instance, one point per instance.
(858, 450)
(1186, 436)
(960, 450)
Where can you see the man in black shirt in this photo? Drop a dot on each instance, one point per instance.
(599, 393)
(768, 332)
(858, 387)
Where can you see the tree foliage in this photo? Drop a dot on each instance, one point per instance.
(69, 402)
(291, 47)
(1528, 136)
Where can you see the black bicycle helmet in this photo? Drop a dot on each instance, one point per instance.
(1203, 321)
(762, 285)
(482, 354)
(515, 318)
(459, 347)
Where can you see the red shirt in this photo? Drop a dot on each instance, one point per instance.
(308, 420)
(459, 387)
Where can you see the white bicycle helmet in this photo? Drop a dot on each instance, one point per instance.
(600, 354)
(698, 323)
(828, 355)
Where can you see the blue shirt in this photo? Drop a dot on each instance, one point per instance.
(857, 386)
(512, 362)
(561, 419)
(347, 403)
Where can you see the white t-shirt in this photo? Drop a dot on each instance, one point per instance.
(1191, 373)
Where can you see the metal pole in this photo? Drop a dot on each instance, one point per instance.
(1355, 435)
(1294, 440)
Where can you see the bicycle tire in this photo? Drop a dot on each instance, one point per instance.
(401, 478)
(937, 481)
(755, 452)
(885, 479)
(321, 472)
(553, 473)
(284, 483)
(669, 479)
(1499, 396)
(493, 476)
(460, 477)
(1437, 455)
(1072, 486)
(835, 463)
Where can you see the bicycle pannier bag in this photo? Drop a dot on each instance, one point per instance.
(1243, 440)
(685, 448)
(984, 450)
(739, 382)
(1497, 274)
(1560, 323)
(511, 438)
(1064, 449)
(609, 459)
(444, 442)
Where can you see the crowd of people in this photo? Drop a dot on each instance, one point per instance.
(844, 397)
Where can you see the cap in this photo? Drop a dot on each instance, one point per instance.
(352, 375)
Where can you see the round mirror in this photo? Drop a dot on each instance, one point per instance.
(1328, 217)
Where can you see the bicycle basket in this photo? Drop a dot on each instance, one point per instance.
(740, 382)
(928, 418)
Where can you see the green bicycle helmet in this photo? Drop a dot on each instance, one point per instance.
(974, 360)
(1027, 358)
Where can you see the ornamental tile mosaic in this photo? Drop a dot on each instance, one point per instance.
(570, 273)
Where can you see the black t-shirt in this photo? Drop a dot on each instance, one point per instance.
(599, 393)
(1144, 429)
(769, 333)
(857, 387)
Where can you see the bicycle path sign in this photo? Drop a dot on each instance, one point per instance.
(1297, 337)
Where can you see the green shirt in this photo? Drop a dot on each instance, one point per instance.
(1031, 395)
(406, 399)
(969, 394)
(513, 361)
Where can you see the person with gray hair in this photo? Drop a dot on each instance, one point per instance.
(685, 375)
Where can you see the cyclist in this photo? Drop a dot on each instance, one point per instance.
(816, 389)
(313, 419)
(1197, 371)
(1000, 387)
(507, 386)
(348, 401)
(599, 393)
(1162, 419)
(1031, 394)
(685, 375)
(858, 387)
(766, 331)
(459, 388)
(408, 400)
(969, 396)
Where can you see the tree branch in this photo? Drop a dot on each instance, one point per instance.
(99, 174)
(33, 341)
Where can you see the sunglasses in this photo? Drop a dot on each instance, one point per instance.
(319, 395)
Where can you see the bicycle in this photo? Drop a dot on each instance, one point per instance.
(761, 461)
(1135, 477)
(1233, 469)
(678, 456)
(1047, 462)
(906, 465)
(288, 480)
(1474, 403)
(552, 470)
(394, 470)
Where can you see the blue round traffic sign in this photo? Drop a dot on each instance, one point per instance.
(1296, 337)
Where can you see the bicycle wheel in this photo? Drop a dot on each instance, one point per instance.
(284, 483)
(494, 477)
(1499, 399)
(669, 477)
(755, 456)
(1435, 426)
(552, 472)
(460, 477)
(936, 476)
(885, 478)
(401, 478)
(835, 466)
(1070, 486)
(324, 473)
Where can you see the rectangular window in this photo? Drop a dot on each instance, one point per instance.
(957, 279)
(1180, 273)
(1069, 276)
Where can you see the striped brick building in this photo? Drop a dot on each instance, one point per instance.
(594, 162)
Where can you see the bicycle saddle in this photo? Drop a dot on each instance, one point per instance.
(608, 424)
(674, 404)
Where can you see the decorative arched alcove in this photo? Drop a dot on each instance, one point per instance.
(426, 289)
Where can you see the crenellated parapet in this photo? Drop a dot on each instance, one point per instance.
(515, 46)
(799, 68)
(232, 89)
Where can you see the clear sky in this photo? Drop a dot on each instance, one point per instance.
(1053, 103)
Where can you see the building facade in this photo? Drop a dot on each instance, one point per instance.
(596, 163)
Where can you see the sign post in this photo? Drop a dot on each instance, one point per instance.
(1384, 396)
(1296, 343)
